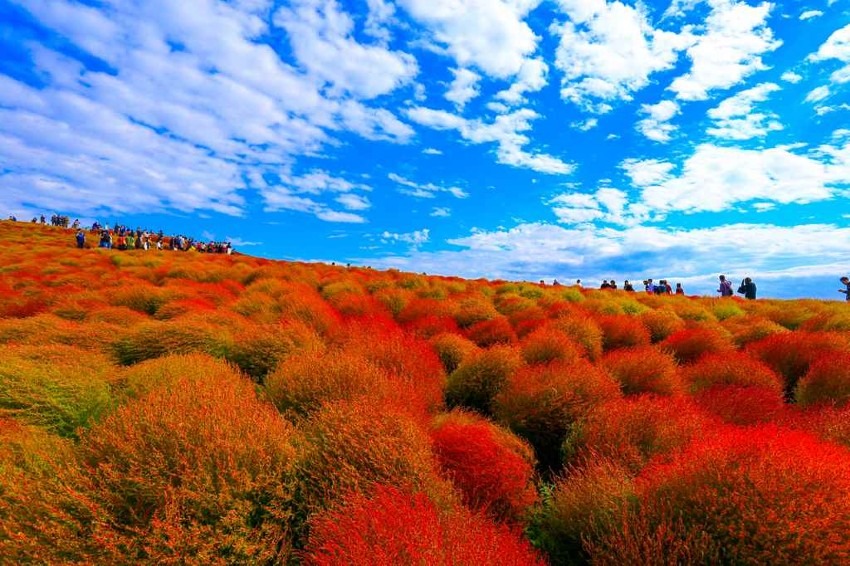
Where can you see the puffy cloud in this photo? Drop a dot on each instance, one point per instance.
(837, 46)
(735, 119)
(717, 178)
(736, 35)
(441, 212)
(656, 126)
(289, 194)
(428, 190)
(322, 40)
(432, 151)
(464, 87)
(818, 94)
(415, 238)
(505, 131)
(609, 50)
(607, 205)
(531, 78)
(791, 77)
(354, 202)
(487, 34)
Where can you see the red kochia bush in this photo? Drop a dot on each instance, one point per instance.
(644, 369)
(661, 323)
(622, 331)
(584, 330)
(479, 379)
(453, 349)
(631, 431)
(742, 405)
(791, 353)
(396, 526)
(541, 403)
(689, 344)
(492, 468)
(827, 381)
(548, 344)
(486, 333)
(763, 495)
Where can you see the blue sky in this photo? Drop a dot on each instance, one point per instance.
(517, 139)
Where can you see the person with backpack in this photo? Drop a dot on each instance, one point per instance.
(846, 282)
(725, 288)
(748, 288)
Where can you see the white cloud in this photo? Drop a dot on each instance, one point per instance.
(322, 40)
(717, 178)
(607, 205)
(736, 36)
(464, 87)
(608, 51)
(531, 78)
(441, 212)
(505, 131)
(809, 14)
(428, 190)
(656, 126)
(585, 125)
(837, 46)
(791, 77)
(290, 193)
(487, 34)
(818, 94)
(415, 238)
(432, 151)
(354, 202)
(381, 13)
(735, 118)
(238, 242)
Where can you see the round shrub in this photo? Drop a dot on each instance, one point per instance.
(58, 388)
(398, 526)
(472, 309)
(749, 329)
(479, 379)
(827, 381)
(826, 421)
(730, 369)
(304, 381)
(491, 468)
(196, 467)
(258, 349)
(762, 495)
(644, 369)
(634, 430)
(584, 330)
(138, 380)
(548, 344)
(541, 403)
(587, 499)
(661, 323)
(497, 330)
(689, 344)
(622, 331)
(351, 445)
(180, 336)
(742, 405)
(453, 349)
(791, 353)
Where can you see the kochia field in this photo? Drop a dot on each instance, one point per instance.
(164, 407)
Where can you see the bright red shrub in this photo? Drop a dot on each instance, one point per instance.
(488, 333)
(196, 467)
(763, 495)
(730, 369)
(827, 381)
(541, 403)
(492, 468)
(742, 405)
(690, 344)
(479, 379)
(548, 344)
(453, 349)
(790, 354)
(644, 369)
(632, 431)
(622, 331)
(396, 526)
(826, 421)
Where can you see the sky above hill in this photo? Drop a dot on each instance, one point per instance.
(516, 139)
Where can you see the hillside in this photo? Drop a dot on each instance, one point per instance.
(180, 407)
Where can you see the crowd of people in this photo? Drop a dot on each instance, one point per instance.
(663, 287)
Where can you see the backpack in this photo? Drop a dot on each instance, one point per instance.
(726, 289)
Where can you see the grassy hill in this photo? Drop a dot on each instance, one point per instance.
(180, 407)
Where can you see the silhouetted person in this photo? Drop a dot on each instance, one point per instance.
(748, 288)
(679, 289)
(846, 290)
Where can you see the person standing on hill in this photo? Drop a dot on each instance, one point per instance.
(679, 289)
(748, 288)
(81, 239)
(725, 288)
(846, 290)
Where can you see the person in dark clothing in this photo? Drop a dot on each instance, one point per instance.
(628, 287)
(748, 288)
(679, 289)
(846, 290)
(81, 239)
(605, 285)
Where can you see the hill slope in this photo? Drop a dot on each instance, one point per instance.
(163, 406)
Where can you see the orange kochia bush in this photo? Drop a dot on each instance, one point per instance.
(643, 369)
